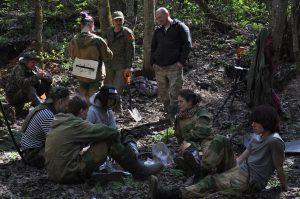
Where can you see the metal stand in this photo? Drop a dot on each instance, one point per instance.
(234, 90)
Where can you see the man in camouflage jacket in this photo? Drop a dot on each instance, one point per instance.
(88, 46)
(26, 83)
(120, 40)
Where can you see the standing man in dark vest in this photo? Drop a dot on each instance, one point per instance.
(37, 125)
(171, 44)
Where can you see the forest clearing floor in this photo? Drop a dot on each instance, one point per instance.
(206, 75)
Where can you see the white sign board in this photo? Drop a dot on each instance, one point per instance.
(85, 68)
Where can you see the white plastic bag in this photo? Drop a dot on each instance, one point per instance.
(162, 154)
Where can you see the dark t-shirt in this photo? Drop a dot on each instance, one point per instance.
(264, 151)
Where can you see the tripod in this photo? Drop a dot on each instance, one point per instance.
(234, 90)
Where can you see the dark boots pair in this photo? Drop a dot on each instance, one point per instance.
(129, 162)
(190, 163)
(157, 192)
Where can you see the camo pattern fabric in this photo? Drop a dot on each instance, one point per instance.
(194, 127)
(218, 156)
(90, 47)
(19, 81)
(232, 182)
(122, 46)
(169, 81)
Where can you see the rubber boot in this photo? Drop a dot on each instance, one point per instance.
(129, 162)
(157, 192)
(133, 147)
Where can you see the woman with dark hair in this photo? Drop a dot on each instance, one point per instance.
(254, 166)
(192, 130)
(88, 46)
(102, 102)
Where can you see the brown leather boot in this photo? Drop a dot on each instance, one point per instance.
(129, 161)
(158, 192)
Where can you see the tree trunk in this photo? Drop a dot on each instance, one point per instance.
(130, 10)
(149, 10)
(104, 15)
(38, 25)
(220, 25)
(278, 24)
(294, 24)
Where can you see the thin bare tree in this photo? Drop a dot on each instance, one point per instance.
(104, 15)
(149, 10)
(38, 9)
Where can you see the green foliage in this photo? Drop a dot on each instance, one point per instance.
(64, 8)
(173, 172)
(245, 12)
(164, 135)
(251, 49)
(187, 11)
(239, 40)
(4, 41)
(128, 182)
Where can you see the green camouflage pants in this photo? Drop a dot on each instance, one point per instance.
(96, 154)
(92, 158)
(115, 78)
(88, 89)
(169, 81)
(218, 155)
(231, 182)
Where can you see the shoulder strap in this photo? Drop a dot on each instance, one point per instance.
(31, 114)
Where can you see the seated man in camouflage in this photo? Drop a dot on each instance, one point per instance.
(26, 83)
(37, 124)
(255, 166)
(67, 163)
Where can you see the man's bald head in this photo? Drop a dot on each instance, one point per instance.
(162, 10)
(162, 16)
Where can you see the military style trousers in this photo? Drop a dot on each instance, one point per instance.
(88, 89)
(29, 94)
(218, 158)
(115, 78)
(233, 182)
(169, 81)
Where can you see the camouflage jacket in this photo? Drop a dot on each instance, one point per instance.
(194, 127)
(91, 47)
(122, 45)
(20, 78)
(67, 136)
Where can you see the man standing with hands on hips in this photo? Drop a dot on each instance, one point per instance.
(171, 44)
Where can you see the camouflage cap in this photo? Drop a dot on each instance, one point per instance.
(31, 55)
(58, 92)
(118, 15)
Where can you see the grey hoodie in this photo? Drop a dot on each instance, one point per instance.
(99, 114)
